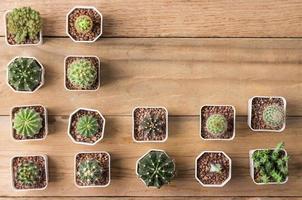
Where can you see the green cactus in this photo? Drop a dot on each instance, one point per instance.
(215, 168)
(216, 124)
(90, 171)
(273, 116)
(28, 174)
(24, 74)
(27, 122)
(87, 126)
(81, 73)
(152, 124)
(83, 24)
(156, 169)
(24, 23)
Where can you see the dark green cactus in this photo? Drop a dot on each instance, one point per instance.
(83, 24)
(90, 172)
(24, 74)
(156, 169)
(216, 124)
(87, 126)
(28, 174)
(273, 116)
(152, 124)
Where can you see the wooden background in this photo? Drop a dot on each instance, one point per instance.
(180, 54)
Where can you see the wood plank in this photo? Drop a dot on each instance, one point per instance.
(181, 74)
(177, 18)
(152, 198)
(183, 145)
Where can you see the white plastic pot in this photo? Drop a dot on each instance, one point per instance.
(213, 185)
(34, 139)
(249, 120)
(234, 122)
(150, 141)
(75, 170)
(98, 68)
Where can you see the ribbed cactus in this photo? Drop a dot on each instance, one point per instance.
(27, 122)
(156, 169)
(152, 124)
(24, 74)
(216, 124)
(83, 24)
(81, 73)
(215, 168)
(90, 171)
(24, 23)
(87, 126)
(28, 174)
(273, 116)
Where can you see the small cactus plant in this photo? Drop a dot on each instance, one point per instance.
(83, 24)
(273, 116)
(156, 169)
(24, 23)
(24, 74)
(87, 126)
(28, 174)
(82, 74)
(215, 168)
(152, 124)
(216, 124)
(90, 171)
(27, 122)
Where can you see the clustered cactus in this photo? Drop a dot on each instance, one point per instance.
(90, 171)
(83, 24)
(273, 116)
(82, 74)
(152, 124)
(24, 74)
(156, 169)
(87, 126)
(215, 168)
(28, 174)
(27, 122)
(24, 23)
(271, 165)
(216, 124)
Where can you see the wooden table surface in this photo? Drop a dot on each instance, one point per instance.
(179, 54)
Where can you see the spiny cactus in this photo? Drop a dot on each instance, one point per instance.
(156, 169)
(28, 174)
(24, 23)
(24, 74)
(152, 124)
(87, 126)
(83, 24)
(27, 122)
(90, 171)
(215, 168)
(273, 116)
(81, 73)
(216, 124)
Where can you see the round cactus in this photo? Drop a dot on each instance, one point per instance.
(273, 116)
(216, 124)
(152, 125)
(27, 122)
(28, 174)
(90, 171)
(24, 23)
(82, 74)
(24, 74)
(156, 169)
(83, 24)
(87, 126)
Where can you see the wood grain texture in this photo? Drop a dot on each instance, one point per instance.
(177, 18)
(152, 198)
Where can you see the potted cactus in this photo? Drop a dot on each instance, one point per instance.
(23, 27)
(269, 166)
(155, 168)
(82, 73)
(29, 122)
(25, 74)
(150, 124)
(92, 169)
(29, 172)
(213, 168)
(84, 24)
(217, 122)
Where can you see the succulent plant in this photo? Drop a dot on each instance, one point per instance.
(271, 165)
(215, 167)
(83, 24)
(152, 124)
(273, 116)
(216, 124)
(156, 169)
(82, 73)
(27, 122)
(90, 171)
(87, 126)
(24, 23)
(28, 174)
(24, 74)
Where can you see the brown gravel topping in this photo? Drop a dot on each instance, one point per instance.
(104, 160)
(227, 112)
(39, 161)
(43, 130)
(139, 114)
(203, 168)
(89, 36)
(258, 106)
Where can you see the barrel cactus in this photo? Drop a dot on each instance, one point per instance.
(152, 124)
(28, 174)
(87, 126)
(216, 124)
(273, 116)
(90, 172)
(83, 24)
(156, 169)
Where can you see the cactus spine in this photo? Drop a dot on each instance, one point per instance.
(216, 124)
(87, 126)
(152, 124)
(273, 116)
(83, 24)
(90, 171)
(28, 174)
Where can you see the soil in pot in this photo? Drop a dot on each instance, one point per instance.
(29, 172)
(150, 124)
(92, 169)
(217, 122)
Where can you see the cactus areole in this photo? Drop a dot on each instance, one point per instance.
(273, 116)
(216, 124)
